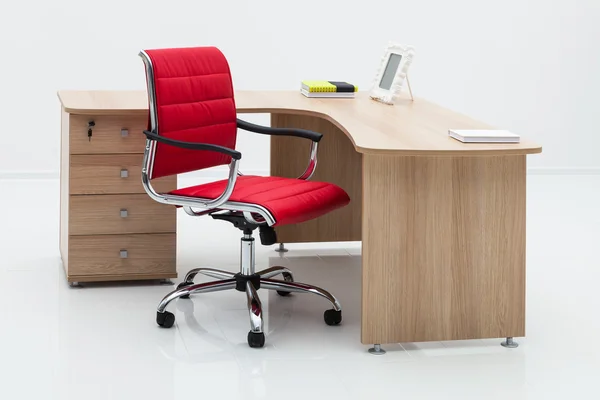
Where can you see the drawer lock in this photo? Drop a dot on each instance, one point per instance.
(91, 124)
(124, 132)
(124, 253)
(124, 173)
(124, 213)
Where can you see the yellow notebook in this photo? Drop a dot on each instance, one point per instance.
(328, 87)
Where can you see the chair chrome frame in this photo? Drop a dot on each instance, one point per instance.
(208, 205)
(247, 280)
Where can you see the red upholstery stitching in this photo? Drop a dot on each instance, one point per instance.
(194, 102)
(290, 201)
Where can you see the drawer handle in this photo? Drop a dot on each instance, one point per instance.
(124, 173)
(124, 253)
(124, 132)
(124, 213)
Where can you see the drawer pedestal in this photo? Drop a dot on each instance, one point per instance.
(110, 229)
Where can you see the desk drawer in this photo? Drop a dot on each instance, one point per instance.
(110, 134)
(112, 174)
(122, 254)
(119, 214)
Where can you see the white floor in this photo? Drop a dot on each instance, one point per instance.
(102, 342)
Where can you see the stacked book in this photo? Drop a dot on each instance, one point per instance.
(484, 136)
(328, 89)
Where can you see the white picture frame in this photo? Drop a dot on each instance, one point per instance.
(392, 73)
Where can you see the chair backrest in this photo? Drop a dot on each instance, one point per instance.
(190, 96)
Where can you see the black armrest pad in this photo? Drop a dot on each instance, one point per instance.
(303, 133)
(236, 155)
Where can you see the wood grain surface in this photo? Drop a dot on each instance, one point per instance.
(100, 255)
(101, 214)
(443, 248)
(101, 174)
(106, 134)
(418, 127)
(64, 190)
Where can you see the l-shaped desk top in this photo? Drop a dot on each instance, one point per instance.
(407, 128)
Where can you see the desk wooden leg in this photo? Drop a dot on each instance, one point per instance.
(443, 254)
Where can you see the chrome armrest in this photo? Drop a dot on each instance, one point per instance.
(233, 174)
(301, 133)
(236, 155)
(312, 162)
(267, 130)
(182, 200)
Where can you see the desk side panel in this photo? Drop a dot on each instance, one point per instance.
(338, 163)
(64, 189)
(443, 248)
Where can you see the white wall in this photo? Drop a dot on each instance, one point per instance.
(527, 65)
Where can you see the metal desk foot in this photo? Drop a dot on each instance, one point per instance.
(510, 343)
(377, 350)
(281, 248)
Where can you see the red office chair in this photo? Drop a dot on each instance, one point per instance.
(193, 125)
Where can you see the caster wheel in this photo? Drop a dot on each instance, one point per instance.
(165, 319)
(182, 285)
(288, 278)
(256, 339)
(332, 317)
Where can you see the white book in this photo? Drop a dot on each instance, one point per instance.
(344, 95)
(484, 136)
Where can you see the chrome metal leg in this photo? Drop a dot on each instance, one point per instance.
(510, 343)
(300, 288)
(213, 273)
(254, 309)
(247, 256)
(377, 350)
(281, 248)
(273, 271)
(74, 284)
(197, 288)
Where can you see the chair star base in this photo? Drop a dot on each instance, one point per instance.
(249, 282)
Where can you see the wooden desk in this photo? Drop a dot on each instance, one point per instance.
(442, 223)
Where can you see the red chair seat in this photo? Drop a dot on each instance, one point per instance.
(290, 201)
